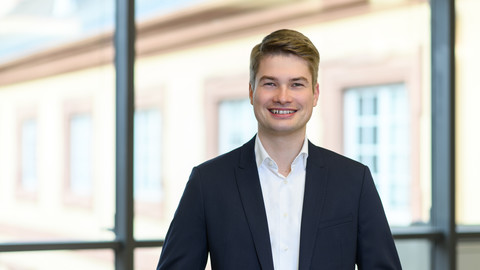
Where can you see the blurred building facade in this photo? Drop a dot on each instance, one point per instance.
(57, 115)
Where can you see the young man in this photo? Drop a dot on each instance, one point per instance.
(279, 202)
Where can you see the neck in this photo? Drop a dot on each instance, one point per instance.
(282, 149)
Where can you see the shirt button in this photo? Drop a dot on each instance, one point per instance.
(285, 182)
(285, 215)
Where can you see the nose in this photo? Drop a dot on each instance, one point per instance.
(282, 95)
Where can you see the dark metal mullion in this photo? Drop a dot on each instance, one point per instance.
(408, 233)
(148, 243)
(38, 246)
(443, 132)
(466, 233)
(124, 73)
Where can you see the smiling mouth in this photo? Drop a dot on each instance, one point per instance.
(274, 111)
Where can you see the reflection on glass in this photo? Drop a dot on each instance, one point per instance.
(58, 260)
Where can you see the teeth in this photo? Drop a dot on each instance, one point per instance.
(282, 111)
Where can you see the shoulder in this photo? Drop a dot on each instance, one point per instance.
(330, 157)
(227, 159)
(323, 157)
(231, 159)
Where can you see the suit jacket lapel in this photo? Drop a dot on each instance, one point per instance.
(314, 197)
(252, 199)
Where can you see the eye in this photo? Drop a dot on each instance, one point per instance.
(297, 84)
(269, 84)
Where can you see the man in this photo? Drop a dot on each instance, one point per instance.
(279, 202)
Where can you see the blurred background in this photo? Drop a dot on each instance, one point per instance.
(57, 112)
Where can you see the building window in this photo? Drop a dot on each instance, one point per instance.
(147, 155)
(28, 153)
(376, 124)
(236, 124)
(81, 158)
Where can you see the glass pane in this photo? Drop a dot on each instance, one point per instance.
(57, 132)
(467, 111)
(414, 254)
(163, 100)
(57, 260)
(467, 253)
(185, 53)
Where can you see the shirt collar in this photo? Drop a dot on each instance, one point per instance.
(261, 154)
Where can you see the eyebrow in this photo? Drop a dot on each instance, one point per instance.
(299, 79)
(271, 78)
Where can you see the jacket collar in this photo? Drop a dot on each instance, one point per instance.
(313, 202)
(248, 184)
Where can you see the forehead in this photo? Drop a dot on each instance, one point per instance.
(283, 66)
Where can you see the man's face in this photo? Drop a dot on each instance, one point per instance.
(283, 96)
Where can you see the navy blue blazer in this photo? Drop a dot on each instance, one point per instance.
(222, 214)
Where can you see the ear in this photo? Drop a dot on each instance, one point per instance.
(316, 94)
(250, 93)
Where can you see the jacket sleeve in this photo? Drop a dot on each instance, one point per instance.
(185, 244)
(376, 248)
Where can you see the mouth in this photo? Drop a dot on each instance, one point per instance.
(281, 112)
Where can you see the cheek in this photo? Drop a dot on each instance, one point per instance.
(257, 105)
(257, 100)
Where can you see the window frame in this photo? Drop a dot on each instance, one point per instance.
(444, 234)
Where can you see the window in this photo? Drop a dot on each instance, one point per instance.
(28, 153)
(147, 155)
(236, 123)
(376, 124)
(80, 178)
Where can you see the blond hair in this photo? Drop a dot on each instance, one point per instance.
(285, 41)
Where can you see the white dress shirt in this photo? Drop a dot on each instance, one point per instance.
(283, 198)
